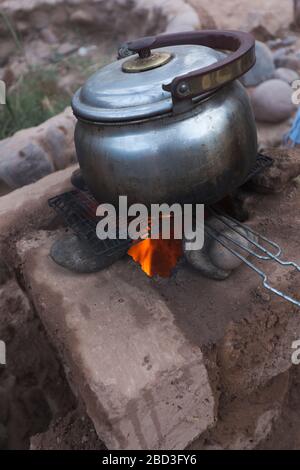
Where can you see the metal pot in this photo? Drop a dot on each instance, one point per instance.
(171, 124)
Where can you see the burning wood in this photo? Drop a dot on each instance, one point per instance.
(157, 257)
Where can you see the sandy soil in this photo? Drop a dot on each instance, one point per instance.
(233, 13)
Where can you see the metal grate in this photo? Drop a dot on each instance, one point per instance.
(78, 209)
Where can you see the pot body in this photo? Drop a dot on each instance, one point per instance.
(197, 156)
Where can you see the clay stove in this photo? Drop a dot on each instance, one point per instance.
(150, 357)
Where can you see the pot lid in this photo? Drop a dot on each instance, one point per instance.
(121, 91)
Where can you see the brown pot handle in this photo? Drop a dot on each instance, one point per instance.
(198, 82)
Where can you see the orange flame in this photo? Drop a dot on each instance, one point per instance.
(157, 256)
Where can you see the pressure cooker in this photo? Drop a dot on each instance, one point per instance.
(169, 123)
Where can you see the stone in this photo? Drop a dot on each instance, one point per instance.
(285, 168)
(272, 135)
(7, 48)
(76, 255)
(290, 61)
(206, 20)
(281, 52)
(28, 206)
(49, 36)
(214, 260)
(263, 69)
(66, 83)
(289, 41)
(272, 101)
(39, 18)
(82, 17)
(8, 76)
(33, 153)
(149, 392)
(222, 257)
(262, 24)
(66, 49)
(38, 52)
(287, 75)
(22, 27)
(85, 51)
(25, 167)
(60, 15)
(201, 260)
(180, 16)
(283, 43)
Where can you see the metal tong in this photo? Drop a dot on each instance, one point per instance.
(259, 251)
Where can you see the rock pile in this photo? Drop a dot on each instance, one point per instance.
(271, 101)
(270, 88)
(264, 68)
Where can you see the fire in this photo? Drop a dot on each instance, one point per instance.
(157, 256)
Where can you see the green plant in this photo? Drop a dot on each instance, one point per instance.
(35, 96)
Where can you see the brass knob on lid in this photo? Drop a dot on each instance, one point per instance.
(146, 60)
